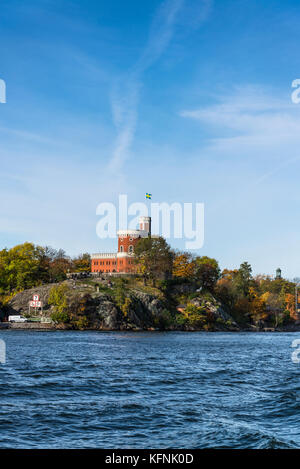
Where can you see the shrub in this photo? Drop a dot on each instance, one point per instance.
(196, 315)
(58, 298)
(163, 320)
(81, 323)
(125, 307)
(60, 317)
(180, 319)
(220, 321)
(229, 323)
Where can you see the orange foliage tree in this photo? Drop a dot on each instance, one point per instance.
(289, 300)
(183, 266)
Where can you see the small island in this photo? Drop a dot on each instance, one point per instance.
(168, 290)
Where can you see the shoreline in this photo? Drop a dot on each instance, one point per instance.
(45, 327)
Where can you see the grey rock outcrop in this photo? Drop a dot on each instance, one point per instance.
(19, 304)
(105, 314)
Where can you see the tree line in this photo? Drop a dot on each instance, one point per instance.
(28, 265)
(248, 298)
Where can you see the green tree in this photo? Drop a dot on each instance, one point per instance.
(243, 279)
(207, 271)
(59, 299)
(154, 258)
(20, 267)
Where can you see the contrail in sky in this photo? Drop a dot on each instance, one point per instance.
(125, 95)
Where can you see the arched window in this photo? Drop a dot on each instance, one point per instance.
(121, 248)
(130, 249)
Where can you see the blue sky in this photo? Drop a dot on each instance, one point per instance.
(187, 99)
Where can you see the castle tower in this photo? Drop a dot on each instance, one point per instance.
(123, 260)
(145, 224)
(278, 274)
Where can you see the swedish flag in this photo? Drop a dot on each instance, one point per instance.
(148, 196)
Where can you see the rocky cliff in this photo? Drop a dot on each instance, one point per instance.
(127, 305)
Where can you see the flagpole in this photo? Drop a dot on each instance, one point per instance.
(148, 198)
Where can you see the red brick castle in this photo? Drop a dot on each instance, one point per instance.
(123, 260)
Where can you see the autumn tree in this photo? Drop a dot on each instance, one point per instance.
(229, 274)
(225, 291)
(82, 263)
(290, 306)
(275, 307)
(258, 311)
(241, 309)
(59, 265)
(54, 264)
(184, 265)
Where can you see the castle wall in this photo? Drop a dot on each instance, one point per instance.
(104, 264)
(118, 264)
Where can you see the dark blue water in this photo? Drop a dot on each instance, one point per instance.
(149, 390)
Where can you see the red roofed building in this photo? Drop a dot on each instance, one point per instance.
(123, 260)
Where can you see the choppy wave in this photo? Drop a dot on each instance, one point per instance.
(148, 390)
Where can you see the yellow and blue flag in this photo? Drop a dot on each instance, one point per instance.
(148, 196)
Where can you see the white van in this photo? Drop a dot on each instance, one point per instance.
(18, 318)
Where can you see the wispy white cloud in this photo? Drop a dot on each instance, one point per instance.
(160, 34)
(125, 94)
(251, 125)
(124, 104)
(250, 115)
(22, 134)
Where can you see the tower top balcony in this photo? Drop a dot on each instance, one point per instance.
(129, 233)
